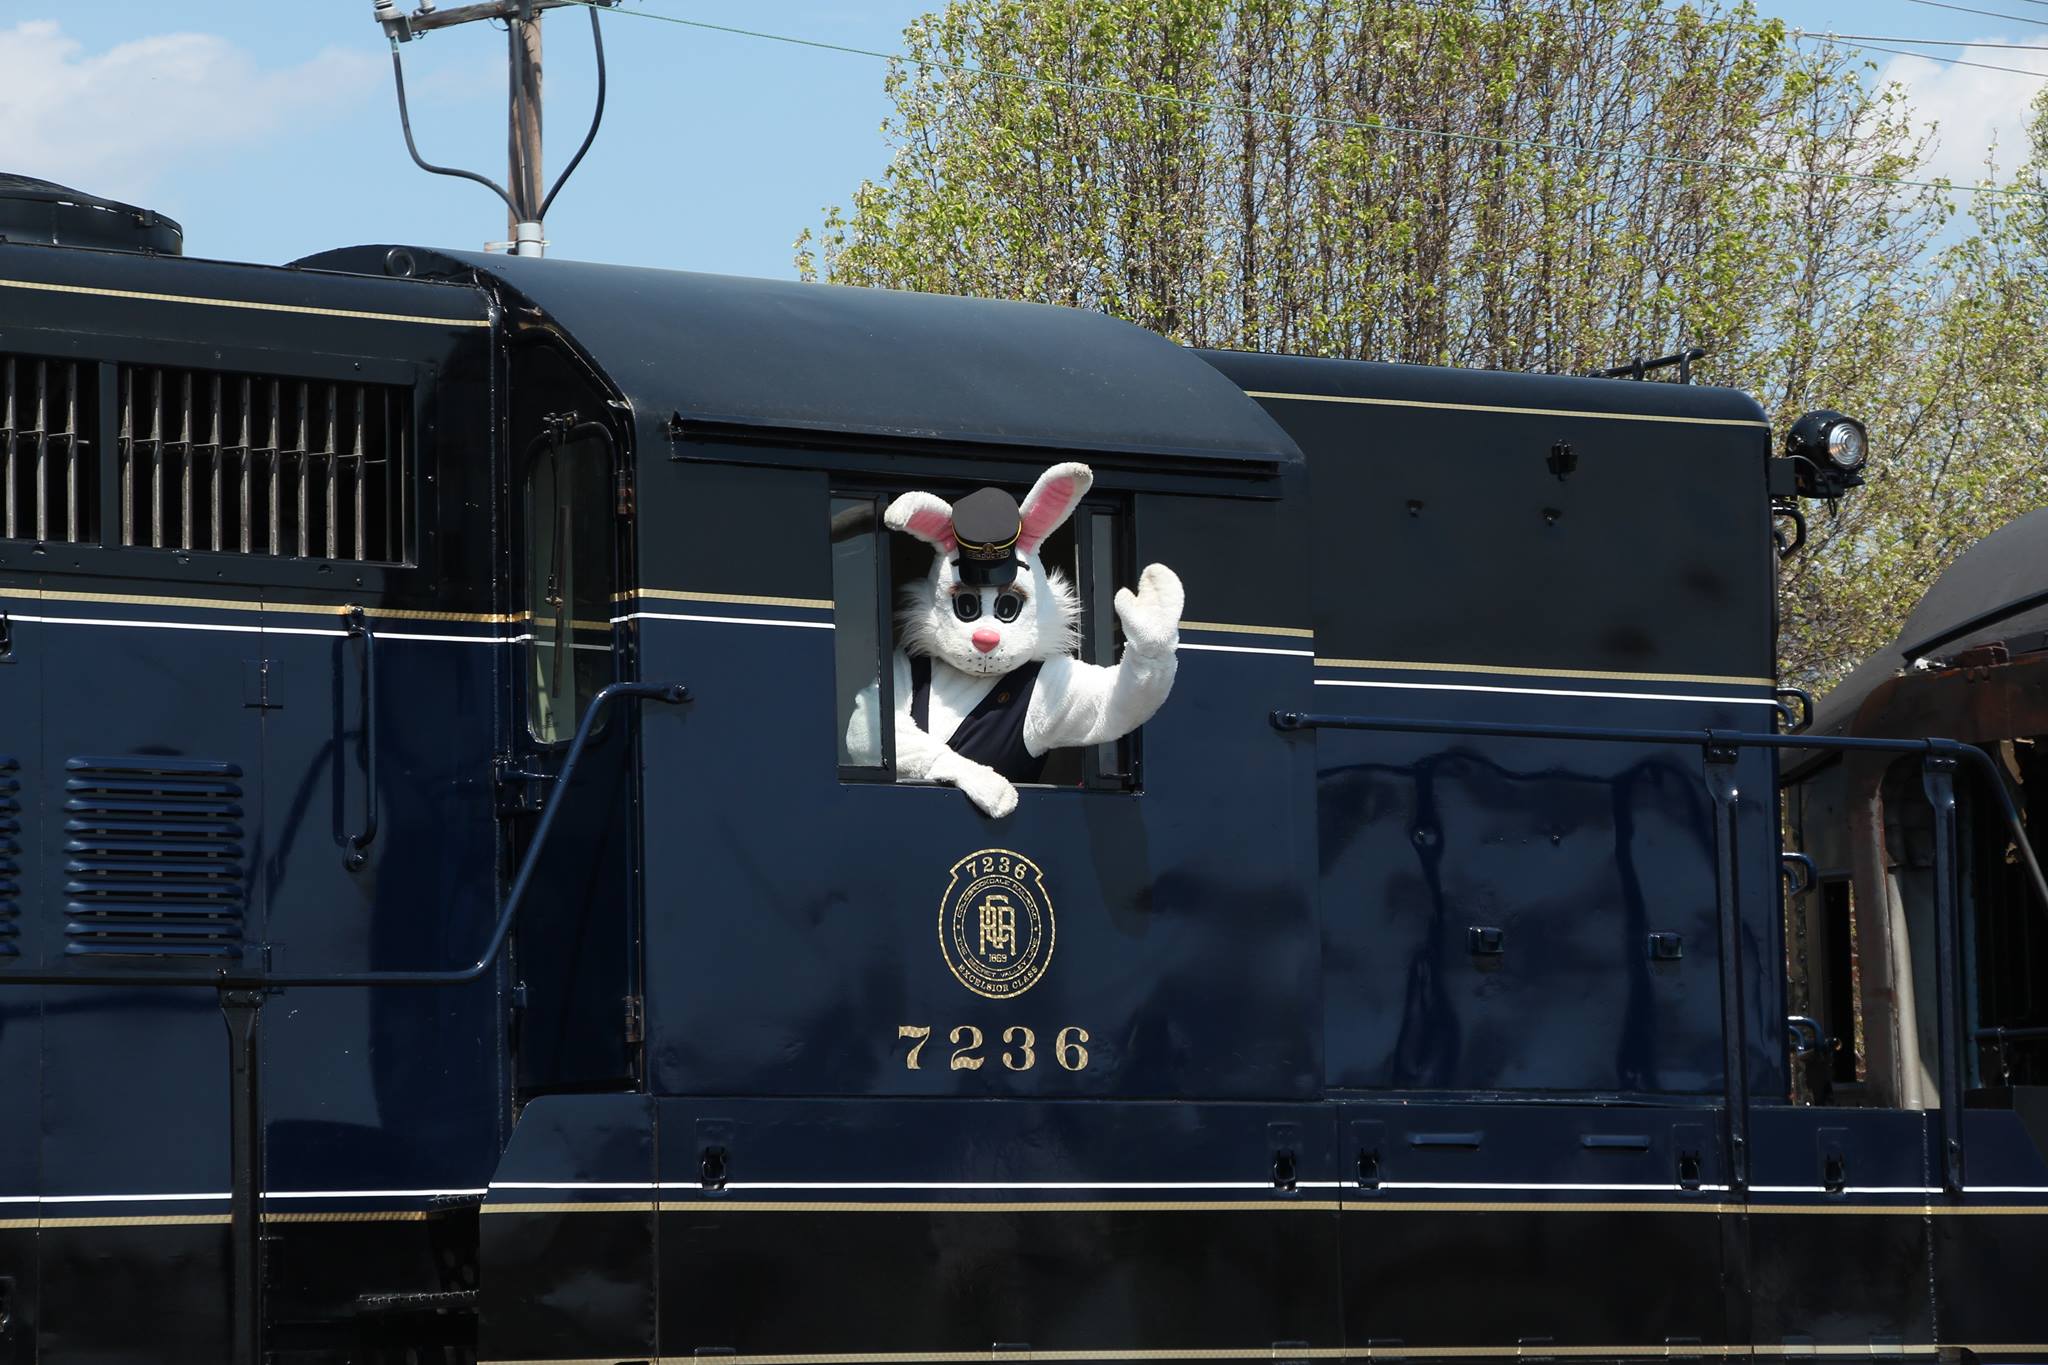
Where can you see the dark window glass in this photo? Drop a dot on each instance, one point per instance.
(859, 633)
(568, 580)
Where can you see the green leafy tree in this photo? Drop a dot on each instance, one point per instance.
(1480, 182)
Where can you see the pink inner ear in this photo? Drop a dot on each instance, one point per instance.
(1046, 512)
(930, 524)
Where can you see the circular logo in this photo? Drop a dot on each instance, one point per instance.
(995, 923)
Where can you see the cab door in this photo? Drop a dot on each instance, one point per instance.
(575, 944)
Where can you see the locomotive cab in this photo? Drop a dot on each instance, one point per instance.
(795, 895)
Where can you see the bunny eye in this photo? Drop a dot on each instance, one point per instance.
(967, 606)
(1008, 604)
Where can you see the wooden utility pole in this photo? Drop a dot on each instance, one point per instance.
(523, 131)
(524, 185)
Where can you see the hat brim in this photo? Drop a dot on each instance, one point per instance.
(988, 573)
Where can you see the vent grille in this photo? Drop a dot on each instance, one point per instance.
(10, 857)
(257, 465)
(154, 863)
(46, 477)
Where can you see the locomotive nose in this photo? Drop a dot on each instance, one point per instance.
(986, 640)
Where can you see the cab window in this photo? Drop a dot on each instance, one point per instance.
(568, 580)
(873, 569)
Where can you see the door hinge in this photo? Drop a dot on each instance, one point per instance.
(622, 484)
(636, 1020)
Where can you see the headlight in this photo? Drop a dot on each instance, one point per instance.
(1826, 452)
(1846, 444)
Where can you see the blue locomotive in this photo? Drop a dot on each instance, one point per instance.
(442, 917)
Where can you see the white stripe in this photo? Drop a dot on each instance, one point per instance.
(223, 1194)
(990, 1185)
(1562, 1188)
(1486, 1186)
(130, 1198)
(223, 628)
(1543, 691)
(374, 1194)
(720, 620)
(1250, 649)
(1918, 1190)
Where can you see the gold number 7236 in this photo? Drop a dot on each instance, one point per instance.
(1021, 1053)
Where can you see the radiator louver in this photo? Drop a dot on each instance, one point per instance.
(10, 858)
(252, 464)
(46, 475)
(154, 864)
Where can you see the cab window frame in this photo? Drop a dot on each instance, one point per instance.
(1104, 556)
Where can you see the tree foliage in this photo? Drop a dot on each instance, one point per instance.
(1547, 187)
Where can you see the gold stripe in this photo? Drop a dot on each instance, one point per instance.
(1256, 1206)
(1907, 1210)
(217, 1219)
(1074, 1206)
(1590, 674)
(1914, 1349)
(730, 598)
(1453, 1206)
(1291, 632)
(623, 1206)
(248, 305)
(19, 1224)
(1259, 1206)
(908, 1206)
(144, 1220)
(1532, 412)
(1673, 1351)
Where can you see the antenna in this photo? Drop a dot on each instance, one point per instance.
(526, 205)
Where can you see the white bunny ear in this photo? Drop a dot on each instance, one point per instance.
(926, 516)
(1051, 501)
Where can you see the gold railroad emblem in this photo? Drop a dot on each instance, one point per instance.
(995, 923)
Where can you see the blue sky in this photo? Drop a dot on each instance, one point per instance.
(270, 130)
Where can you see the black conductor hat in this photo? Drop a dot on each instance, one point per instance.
(986, 523)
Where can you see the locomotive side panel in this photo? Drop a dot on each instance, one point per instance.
(794, 921)
(1076, 1229)
(262, 452)
(1529, 914)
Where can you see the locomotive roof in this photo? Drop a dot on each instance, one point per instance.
(784, 356)
(2005, 566)
(1490, 390)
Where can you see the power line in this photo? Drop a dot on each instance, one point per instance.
(1924, 42)
(1987, 13)
(1667, 19)
(1380, 127)
(1953, 61)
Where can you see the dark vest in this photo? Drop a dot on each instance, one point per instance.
(993, 732)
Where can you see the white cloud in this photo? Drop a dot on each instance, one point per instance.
(116, 122)
(1973, 112)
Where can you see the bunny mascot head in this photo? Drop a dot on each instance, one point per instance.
(986, 681)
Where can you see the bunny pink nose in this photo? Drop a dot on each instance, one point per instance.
(986, 640)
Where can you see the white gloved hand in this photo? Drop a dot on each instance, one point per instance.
(1151, 616)
(984, 786)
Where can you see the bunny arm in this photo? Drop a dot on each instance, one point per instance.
(1077, 704)
(919, 757)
